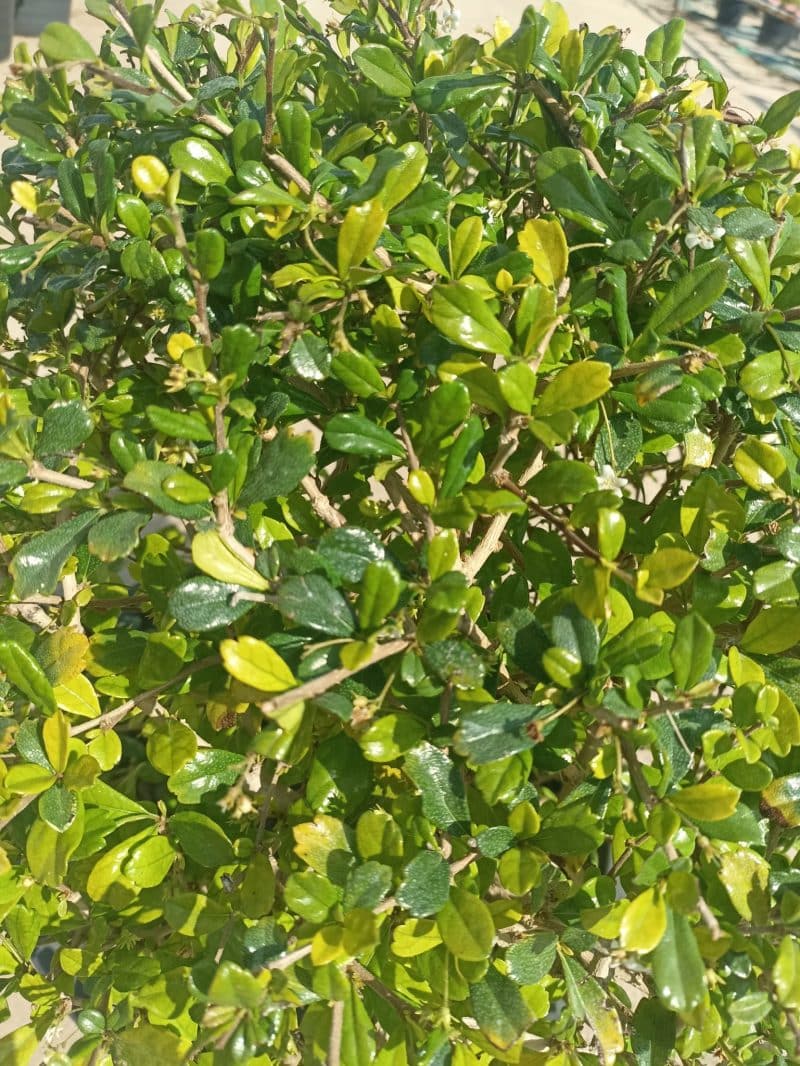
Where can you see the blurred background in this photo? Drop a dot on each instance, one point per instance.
(754, 43)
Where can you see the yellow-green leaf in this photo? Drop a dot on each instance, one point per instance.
(786, 973)
(214, 557)
(55, 733)
(575, 386)
(358, 234)
(255, 663)
(644, 922)
(545, 242)
(710, 801)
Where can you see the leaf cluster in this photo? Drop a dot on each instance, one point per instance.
(399, 457)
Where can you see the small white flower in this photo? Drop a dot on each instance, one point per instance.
(701, 238)
(609, 480)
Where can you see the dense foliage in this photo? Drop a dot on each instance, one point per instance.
(399, 442)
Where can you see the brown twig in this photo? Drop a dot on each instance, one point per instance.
(319, 685)
(321, 504)
(335, 1036)
(53, 477)
(113, 717)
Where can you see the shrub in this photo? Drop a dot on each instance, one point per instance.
(399, 447)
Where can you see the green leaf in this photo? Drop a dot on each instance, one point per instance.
(678, 969)
(563, 177)
(357, 373)
(65, 425)
(587, 1000)
(313, 603)
(380, 591)
(36, 566)
(379, 65)
(760, 466)
(200, 161)
(712, 800)
(48, 851)
(773, 630)
(356, 435)
(19, 1046)
(498, 730)
(752, 258)
(295, 129)
(562, 481)
(209, 245)
(201, 603)
(786, 973)
(255, 663)
(779, 115)
(281, 466)
(653, 1033)
(644, 145)
(366, 886)
(61, 43)
(178, 424)
(210, 769)
(499, 1009)
(446, 91)
(349, 551)
(149, 862)
(234, 987)
(461, 315)
(691, 650)
(115, 536)
(531, 959)
(212, 555)
(667, 568)
(24, 672)
(465, 244)
(27, 779)
(425, 887)
(358, 235)
(170, 746)
(466, 926)
(310, 357)
(193, 914)
(575, 386)
(644, 922)
(692, 294)
(444, 798)
(147, 478)
(133, 213)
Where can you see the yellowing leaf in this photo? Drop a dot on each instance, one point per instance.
(358, 234)
(545, 242)
(644, 922)
(78, 697)
(149, 174)
(575, 386)
(710, 801)
(786, 973)
(55, 733)
(255, 663)
(212, 555)
(745, 875)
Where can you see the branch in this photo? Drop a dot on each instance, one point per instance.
(335, 1036)
(23, 803)
(319, 685)
(53, 477)
(488, 545)
(321, 504)
(111, 718)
